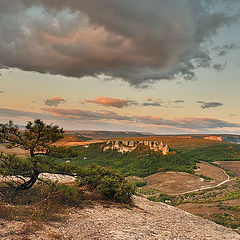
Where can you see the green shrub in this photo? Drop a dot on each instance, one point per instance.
(205, 177)
(163, 197)
(140, 184)
(229, 173)
(109, 183)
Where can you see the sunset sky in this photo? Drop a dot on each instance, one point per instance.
(160, 66)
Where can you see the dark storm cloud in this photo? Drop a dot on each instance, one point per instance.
(137, 41)
(210, 104)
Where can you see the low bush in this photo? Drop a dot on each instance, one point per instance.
(140, 184)
(109, 183)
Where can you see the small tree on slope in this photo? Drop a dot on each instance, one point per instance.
(37, 139)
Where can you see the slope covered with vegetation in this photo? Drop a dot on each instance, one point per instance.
(216, 152)
(140, 162)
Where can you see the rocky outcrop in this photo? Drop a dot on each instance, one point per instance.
(129, 146)
(214, 138)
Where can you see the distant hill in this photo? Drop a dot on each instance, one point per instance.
(107, 134)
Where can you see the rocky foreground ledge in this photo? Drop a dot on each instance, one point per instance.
(147, 220)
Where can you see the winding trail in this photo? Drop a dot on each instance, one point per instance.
(209, 187)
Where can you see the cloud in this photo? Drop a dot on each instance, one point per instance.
(189, 123)
(77, 114)
(113, 102)
(219, 66)
(182, 123)
(152, 104)
(222, 51)
(1, 91)
(179, 101)
(12, 113)
(55, 101)
(138, 42)
(160, 102)
(101, 118)
(210, 104)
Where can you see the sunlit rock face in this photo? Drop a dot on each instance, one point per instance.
(129, 146)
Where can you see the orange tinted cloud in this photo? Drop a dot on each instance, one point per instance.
(112, 102)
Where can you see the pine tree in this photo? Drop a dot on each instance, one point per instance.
(37, 139)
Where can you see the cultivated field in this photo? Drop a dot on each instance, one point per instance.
(179, 182)
(233, 166)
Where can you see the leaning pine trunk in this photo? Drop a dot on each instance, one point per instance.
(31, 182)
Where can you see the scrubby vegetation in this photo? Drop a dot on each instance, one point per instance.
(216, 152)
(37, 139)
(140, 162)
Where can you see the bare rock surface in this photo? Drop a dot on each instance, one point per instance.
(146, 221)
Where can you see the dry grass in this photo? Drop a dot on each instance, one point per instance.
(179, 182)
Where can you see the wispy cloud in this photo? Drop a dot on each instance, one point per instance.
(179, 101)
(72, 116)
(152, 104)
(113, 102)
(160, 102)
(210, 104)
(222, 51)
(55, 101)
(78, 114)
(182, 123)
(219, 66)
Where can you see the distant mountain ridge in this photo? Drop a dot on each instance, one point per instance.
(125, 134)
(107, 134)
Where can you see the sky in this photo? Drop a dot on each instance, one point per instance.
(159, 66)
